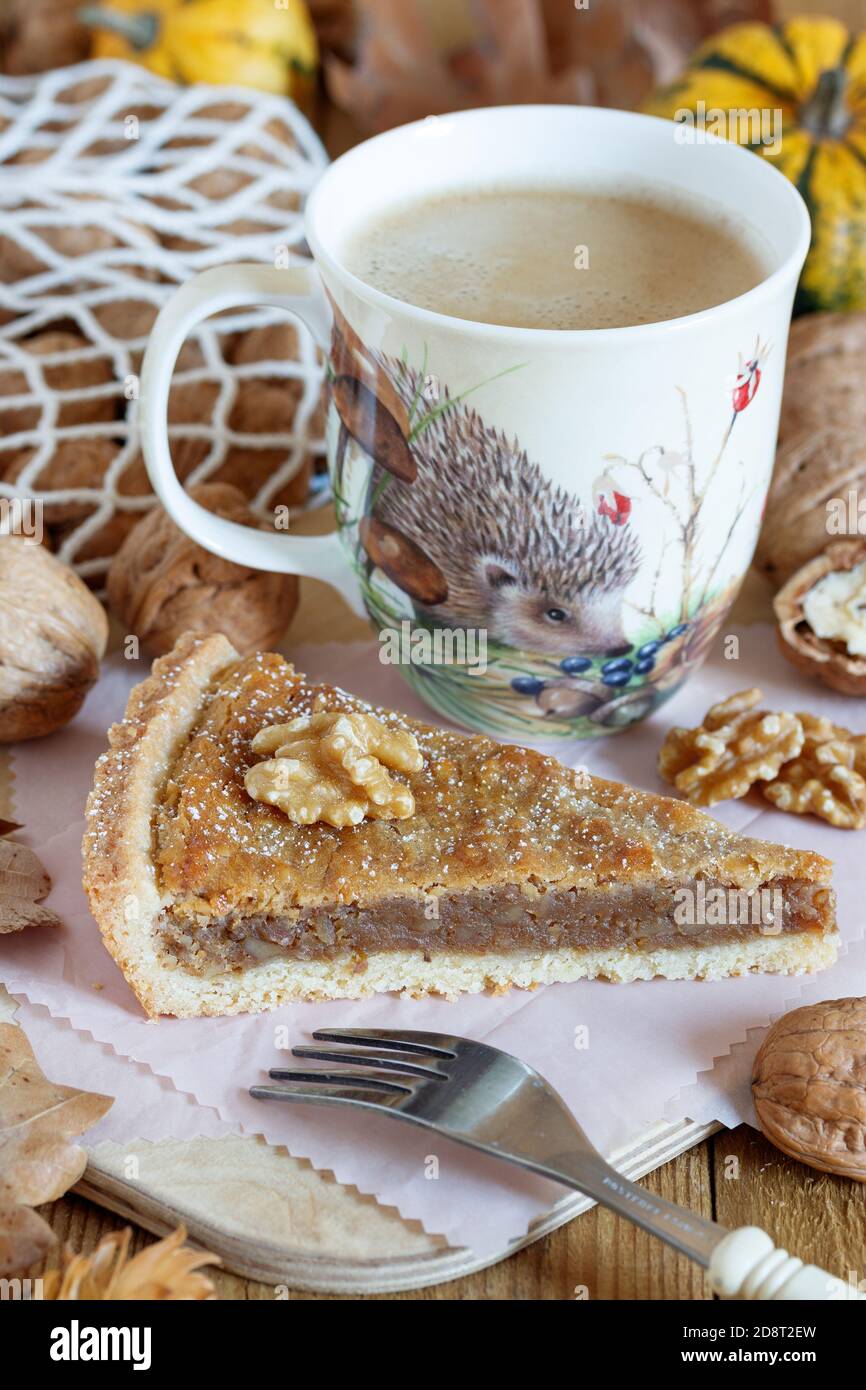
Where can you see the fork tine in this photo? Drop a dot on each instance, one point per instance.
(325, 1095)
(373, 1059)
(366, 1080)
(436, 1044)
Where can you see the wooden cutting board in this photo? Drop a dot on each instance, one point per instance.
(277, 1219)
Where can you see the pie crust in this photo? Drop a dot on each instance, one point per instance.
(513, 870)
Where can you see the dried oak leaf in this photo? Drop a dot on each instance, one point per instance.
(36, 35)
(25, 1238)
(167, 1270)
(38, 1161)
(411, 59)
(336, 23)
(23, 884)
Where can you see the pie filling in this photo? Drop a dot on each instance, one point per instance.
(500, 920)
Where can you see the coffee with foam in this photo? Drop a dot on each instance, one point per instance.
(561, 258)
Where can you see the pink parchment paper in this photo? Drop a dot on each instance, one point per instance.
(652, 1047)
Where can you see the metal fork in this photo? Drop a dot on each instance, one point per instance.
(488, 1100)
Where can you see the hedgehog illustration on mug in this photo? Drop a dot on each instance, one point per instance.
(518, 556)
(457, 531)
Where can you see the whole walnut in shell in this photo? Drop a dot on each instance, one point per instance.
(39, 34)
(824, 374)
(67, 379)
(822, 453)
(814, 468)
(809, 1086)
(52, 638)
(161, 584)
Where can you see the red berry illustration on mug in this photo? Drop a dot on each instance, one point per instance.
(748, 378)
(618, 511)
(610, 502)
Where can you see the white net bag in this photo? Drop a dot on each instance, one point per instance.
(115, 187)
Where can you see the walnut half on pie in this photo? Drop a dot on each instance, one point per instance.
(501, 867)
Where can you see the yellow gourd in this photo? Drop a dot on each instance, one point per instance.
(812, 72)
(268, 44)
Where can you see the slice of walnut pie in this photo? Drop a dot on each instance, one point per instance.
(254, 838)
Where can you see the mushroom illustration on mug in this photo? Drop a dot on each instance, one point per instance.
(370, 410)
(373, 414)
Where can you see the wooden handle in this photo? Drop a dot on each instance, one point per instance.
(747, 1265)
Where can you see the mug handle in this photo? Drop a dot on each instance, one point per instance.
(299, 292)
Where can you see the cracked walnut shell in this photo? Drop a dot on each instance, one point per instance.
(823, 633)
(334, 768)
(828, 779)
(809, 1086)
(737, 746)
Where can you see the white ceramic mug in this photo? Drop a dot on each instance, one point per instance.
(546, 527)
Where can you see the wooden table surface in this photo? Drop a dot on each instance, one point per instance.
(736, 1177)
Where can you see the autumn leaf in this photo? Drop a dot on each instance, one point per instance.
(24, 1238)
(38, 1119)
(38, 1161)
(167, 1270)
(23, 884)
